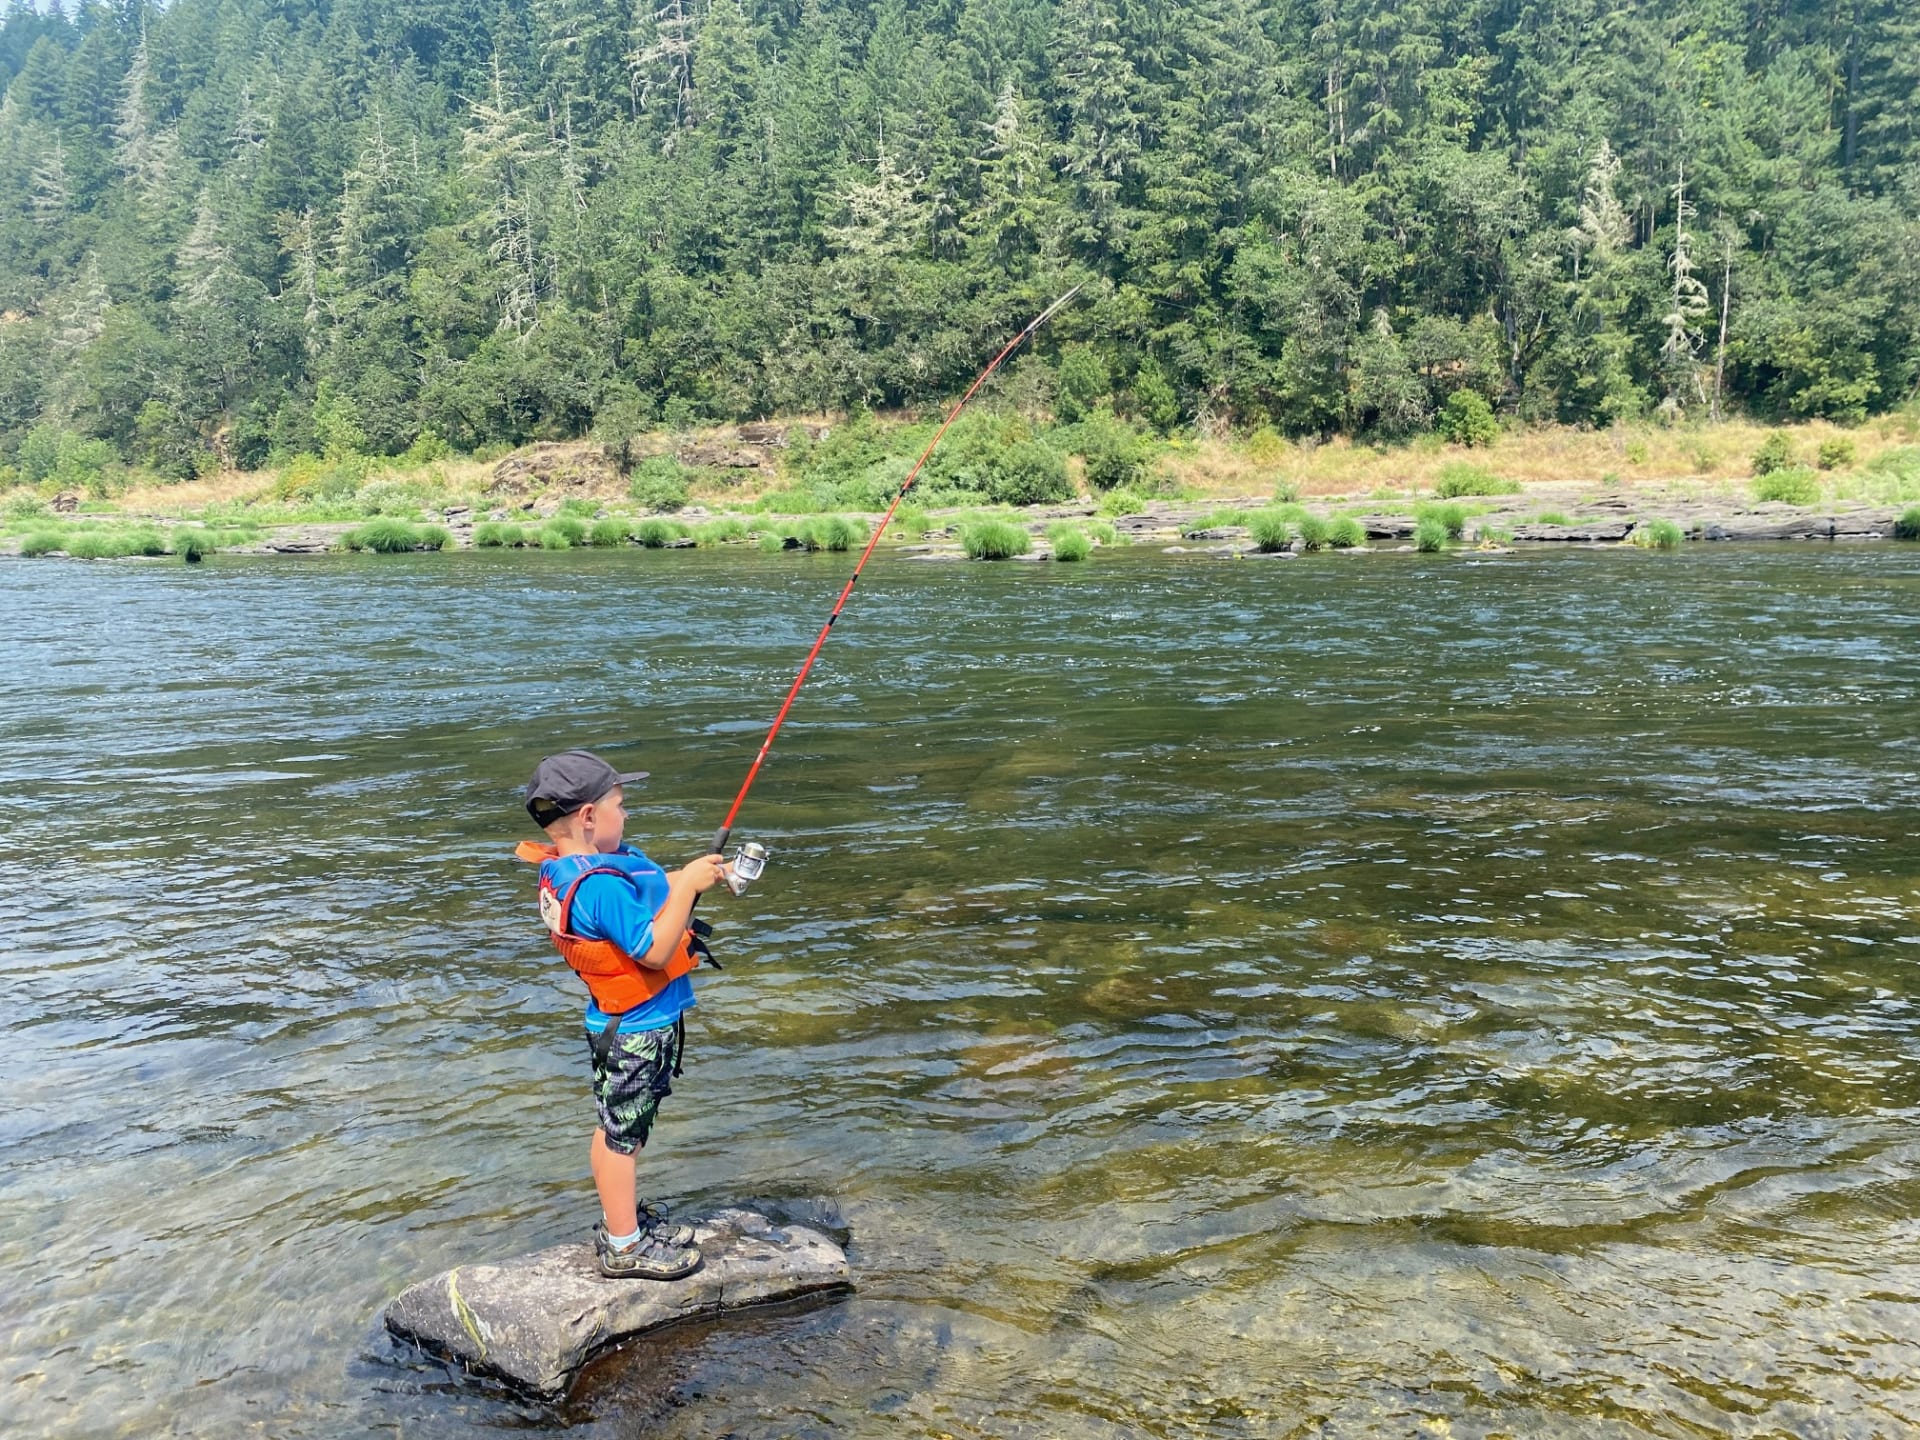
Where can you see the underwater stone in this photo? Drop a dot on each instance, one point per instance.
(536, 1319)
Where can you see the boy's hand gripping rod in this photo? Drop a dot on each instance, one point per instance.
(726, 827)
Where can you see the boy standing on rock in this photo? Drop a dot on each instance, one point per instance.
(626, 927)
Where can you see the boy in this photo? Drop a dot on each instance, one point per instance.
(625, 927)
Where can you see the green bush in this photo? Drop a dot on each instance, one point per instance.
(1116, 503)
(1460, 478)
(1029, 473)
(829, 532)
(1272, 530)
(26, 506)
(95, 545)
(1836, 453)
(577, 508)
(1551, 517)
(1658, 535)
(497, 534)
(1907, 527)
(386, 536)
(911, 522)
(719, 532)
(1286, 492)
(1429, 535)
(43, 542)
(608, 533)
(660, 483)
(1345, 533)
(551, 537)
(1467, 419)
(1775, 453)
(1265, 446)
(772, 544)
(1314, 532)
(790, 502)
(575, 530)
(1797, 486)
(1117, 456)
(1103, 533)
(431, 537)
(1450, 518)
(1079, 384)
(994, 540)
(1488, 535)
(658, 534)
(1069, 542)
(193, 546)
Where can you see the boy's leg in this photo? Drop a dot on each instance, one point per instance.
(613, 1177)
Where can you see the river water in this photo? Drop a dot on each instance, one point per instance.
(1352, 996)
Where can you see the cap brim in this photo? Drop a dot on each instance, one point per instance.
(629, 777)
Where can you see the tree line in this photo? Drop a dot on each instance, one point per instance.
(236, 229)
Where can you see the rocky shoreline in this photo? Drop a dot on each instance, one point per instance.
(1593, 518)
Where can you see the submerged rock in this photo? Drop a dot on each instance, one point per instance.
(536, 1319)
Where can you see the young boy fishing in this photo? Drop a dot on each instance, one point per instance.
(626, 928)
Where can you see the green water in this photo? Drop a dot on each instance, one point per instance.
(1353, 996)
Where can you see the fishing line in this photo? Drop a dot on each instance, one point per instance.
(753, 771)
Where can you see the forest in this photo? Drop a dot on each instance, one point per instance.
(235, 231)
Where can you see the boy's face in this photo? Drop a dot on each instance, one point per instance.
(604, 821)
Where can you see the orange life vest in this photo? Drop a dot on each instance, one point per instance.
(616, 980)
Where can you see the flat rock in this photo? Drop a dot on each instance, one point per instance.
(534, 1320)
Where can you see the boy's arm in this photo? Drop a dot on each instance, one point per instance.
(683, 888)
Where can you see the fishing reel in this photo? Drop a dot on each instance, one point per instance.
(748, 863)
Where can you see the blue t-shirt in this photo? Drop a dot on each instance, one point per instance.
(607, 907)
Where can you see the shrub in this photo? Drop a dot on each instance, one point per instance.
(1069, 542)
(1345, 533)
(1797, 486)
(193, 546)
(567, 525)
(1467, 419)
(1429, 535)
(430, 537)
(773, 544)
(1029, 473)
(1286, 492)
(1637, 452)
(27, 506)
(1265, 446)
(790, 502)
(495, 534)
(829, 532)
(386, 536)
(659, 483)
(1907, 527)
(658, 534)
(994, 540)
(1271, 530)
(1463, 479)
(551, 537)
(1775, 453)
(1079, 384)
(1658, 535)
(720, 532)
(578, 508)
(911, 521)
(1836, 453)
(144, 541)
(1313, 533)
(1493, 535)
(608, 532)
(1450, 518)
(1117, 456)
(43, 542)
(1103, 533)
(1116, 503)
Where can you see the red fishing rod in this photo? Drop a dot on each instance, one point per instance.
(726, 826)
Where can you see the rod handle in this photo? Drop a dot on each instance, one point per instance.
(719, 846)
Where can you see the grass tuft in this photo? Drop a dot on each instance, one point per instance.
(1461, 478)
(1218, 520)
(193, 546)
(1450, 518)
(1907, 527)
(1429, 536)
(1069, 541)
(658, 534)
(1314, 532)
(1272, 530)
(1659, 535)
(1123, 501)
(497, 534)
(43, 542)
(988, 539)
(1346, 533)
(828, 532)
(719, 532)
(607, 533)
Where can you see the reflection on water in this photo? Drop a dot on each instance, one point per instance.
(1365, 996)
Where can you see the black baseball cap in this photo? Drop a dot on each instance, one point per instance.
(562, 783)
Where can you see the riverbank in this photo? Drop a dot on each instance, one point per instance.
(806, 484)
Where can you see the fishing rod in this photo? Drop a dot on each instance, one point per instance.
(757, 858)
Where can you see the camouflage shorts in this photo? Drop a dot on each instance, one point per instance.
(629, 1086)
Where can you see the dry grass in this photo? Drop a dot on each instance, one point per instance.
(1706, 453)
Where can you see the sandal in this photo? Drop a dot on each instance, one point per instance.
(648, 1258)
